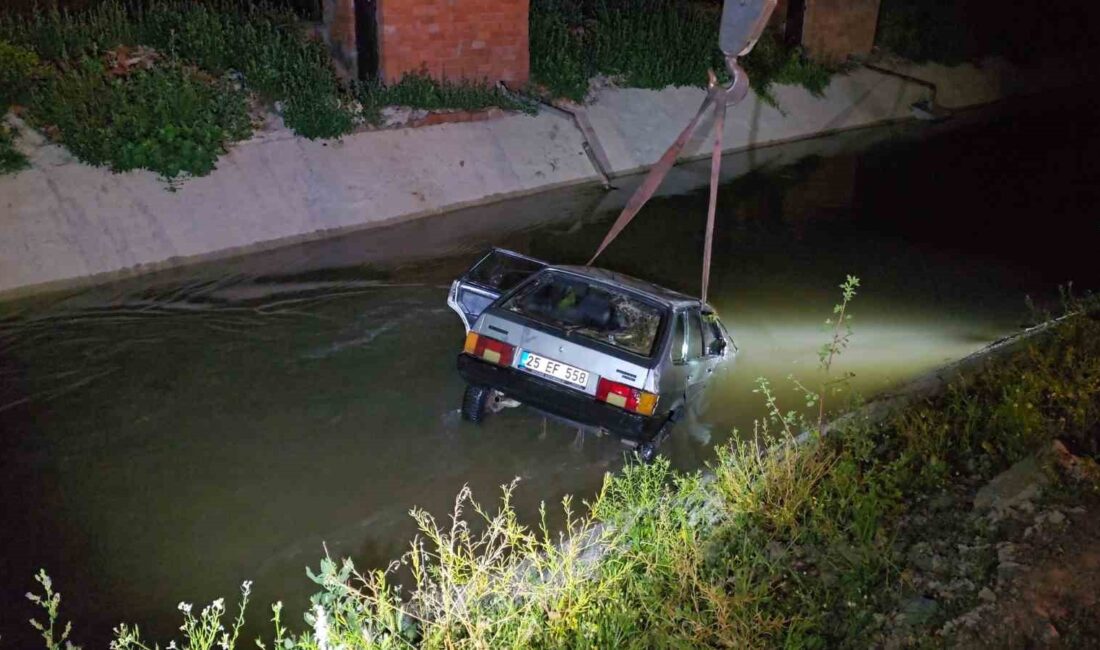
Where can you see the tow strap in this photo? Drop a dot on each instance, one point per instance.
(718, 97)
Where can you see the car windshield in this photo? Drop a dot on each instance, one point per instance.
(591, 310)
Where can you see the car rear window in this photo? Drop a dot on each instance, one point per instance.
(592, 310)
(503, 271)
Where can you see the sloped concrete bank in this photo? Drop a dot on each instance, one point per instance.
(63, 222)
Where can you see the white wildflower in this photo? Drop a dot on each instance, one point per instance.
(320, 627)
(246, 587)
(184, 607)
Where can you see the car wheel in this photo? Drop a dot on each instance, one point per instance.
(475, 402)
(647, 452)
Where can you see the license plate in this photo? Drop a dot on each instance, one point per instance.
(555, 369)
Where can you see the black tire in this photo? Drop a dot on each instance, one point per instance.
(475, 402)
(647, 451)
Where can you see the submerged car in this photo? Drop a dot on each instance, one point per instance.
(582, 344)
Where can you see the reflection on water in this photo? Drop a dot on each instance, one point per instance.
(167, 437)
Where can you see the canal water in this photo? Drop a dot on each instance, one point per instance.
(168, 436)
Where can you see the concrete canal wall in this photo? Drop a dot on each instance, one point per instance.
(63, 222)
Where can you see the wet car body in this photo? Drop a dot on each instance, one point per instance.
(583, 344)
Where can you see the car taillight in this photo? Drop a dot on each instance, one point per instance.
(625, 397)
(491, 350)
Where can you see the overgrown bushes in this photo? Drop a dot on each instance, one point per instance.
(169, 118)
(18, 68)
(953, 32)
(649, 44)
(216, 53)
(199, 65)
(11, 159)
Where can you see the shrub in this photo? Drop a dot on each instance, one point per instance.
(57, 36)
(11, 159)
(263, 45)
(650, 44)
(18, 69)
(923, 30)
(170, 119)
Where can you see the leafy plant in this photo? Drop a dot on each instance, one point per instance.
(203, 632)
(170, 119)
(11, 159)
(50, 603)
(18, 69)
(650, 44)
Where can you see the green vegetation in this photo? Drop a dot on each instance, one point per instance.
(11, 159)
(949, 32)
(781, 545)
(168, 85)
(18, 68)
(419, 91)
(649, 44)
(169, 118)
(165, 85)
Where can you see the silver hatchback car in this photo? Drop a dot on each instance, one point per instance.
(590, 346)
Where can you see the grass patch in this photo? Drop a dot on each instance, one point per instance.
(650, 44)
(420, 91)
(781, 545)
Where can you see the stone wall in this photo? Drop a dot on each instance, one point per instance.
(478, 40)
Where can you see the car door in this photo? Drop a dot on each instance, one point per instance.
(700, 363)
(491, 276)
(682, 379)
(674, 375)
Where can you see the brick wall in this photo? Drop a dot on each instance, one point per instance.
(833, 30)
(454, 39)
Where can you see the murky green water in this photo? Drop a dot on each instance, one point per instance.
(168, 437)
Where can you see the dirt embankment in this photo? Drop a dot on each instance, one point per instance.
(1013, 563)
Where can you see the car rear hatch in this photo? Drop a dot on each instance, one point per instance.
(581, 353)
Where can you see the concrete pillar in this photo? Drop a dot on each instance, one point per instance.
(833, 30)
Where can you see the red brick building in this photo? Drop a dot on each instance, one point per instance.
(487, 40)
(469, 40)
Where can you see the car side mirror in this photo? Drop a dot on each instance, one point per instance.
(717, 347)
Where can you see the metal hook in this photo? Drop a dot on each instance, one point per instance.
(738, 88)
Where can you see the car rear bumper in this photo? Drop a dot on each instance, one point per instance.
(558, 400)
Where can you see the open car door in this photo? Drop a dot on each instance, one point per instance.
(490, 277)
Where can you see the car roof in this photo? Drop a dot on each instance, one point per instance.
(674, 299)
